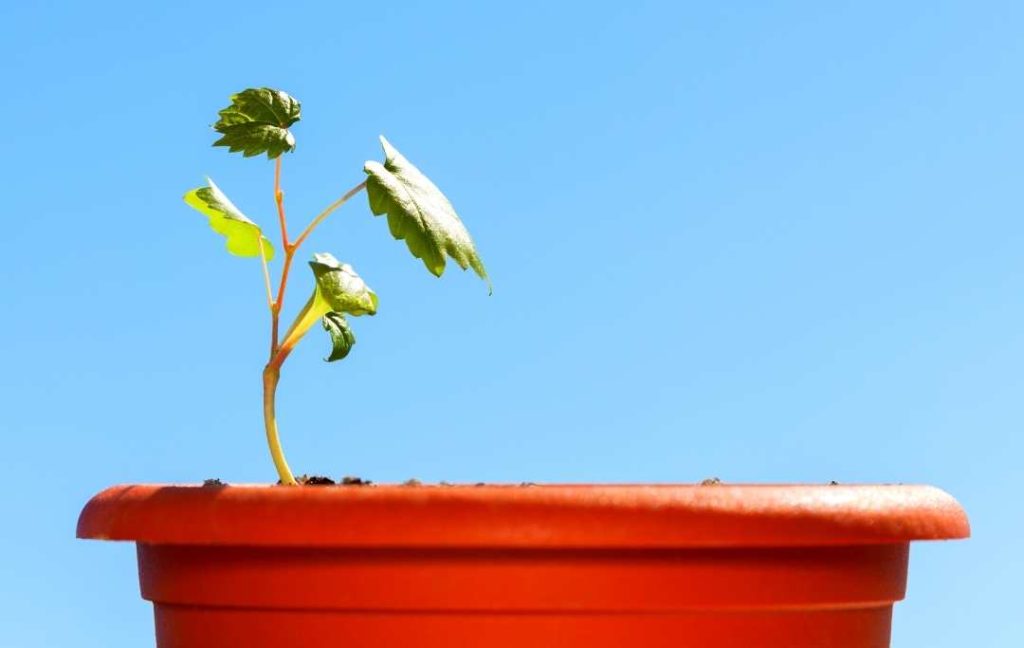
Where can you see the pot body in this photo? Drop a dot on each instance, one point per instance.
(807, 597)
(524, 567)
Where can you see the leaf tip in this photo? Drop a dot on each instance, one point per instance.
(389, 151)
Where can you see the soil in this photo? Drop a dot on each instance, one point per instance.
(315, 480)
(355, 481)
(348, 480)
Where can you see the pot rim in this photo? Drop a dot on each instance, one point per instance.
(555, 516)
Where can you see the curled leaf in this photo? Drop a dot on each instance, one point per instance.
(342, 337)
(419, 213)
(257, 122)
(243, 236)
(340, 288)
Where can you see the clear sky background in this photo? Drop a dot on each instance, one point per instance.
(769, 242)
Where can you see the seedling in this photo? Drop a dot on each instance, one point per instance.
(258, 122)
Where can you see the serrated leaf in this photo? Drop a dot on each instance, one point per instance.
(340, 288)
(419, 213)
(243, 236)
(257, 122)
(342, 337)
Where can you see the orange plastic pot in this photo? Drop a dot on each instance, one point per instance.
(524, 567)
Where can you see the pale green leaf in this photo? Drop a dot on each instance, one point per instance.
(243, 236)
(419, 213)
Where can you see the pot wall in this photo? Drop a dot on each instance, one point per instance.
(569, 566)
(794, 597)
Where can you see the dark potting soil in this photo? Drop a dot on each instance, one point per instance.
(322, 480)
(355, 481)
(315, 480)
(348, 480)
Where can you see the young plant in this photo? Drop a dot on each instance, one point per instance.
(258, 122)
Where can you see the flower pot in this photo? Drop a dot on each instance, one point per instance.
(523, 566)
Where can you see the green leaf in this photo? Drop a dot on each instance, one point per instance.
(340, 288)
(243, 235)
(257, 122)
(418, 212)
(342, 337)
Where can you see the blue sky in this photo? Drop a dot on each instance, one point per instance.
(763, 241)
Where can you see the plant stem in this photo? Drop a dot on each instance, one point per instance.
(266, 275)
(279, 350)
(272, 372)
(289, 254)
(271, 375)
(291, 248)
(303, 322)
(270, 290)
(279, 199)
(327, 212)
(278, 303)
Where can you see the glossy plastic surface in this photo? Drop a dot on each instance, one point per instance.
(523, 516)
(503, 567)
